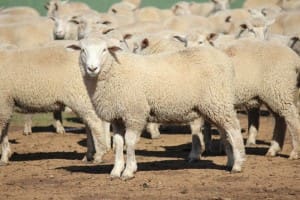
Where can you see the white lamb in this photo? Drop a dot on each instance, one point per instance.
(130, 90)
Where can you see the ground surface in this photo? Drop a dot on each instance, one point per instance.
(48, 166)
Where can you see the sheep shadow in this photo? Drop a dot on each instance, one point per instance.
(51, 128)
(46, 156)
(74, 120)
(148, 166)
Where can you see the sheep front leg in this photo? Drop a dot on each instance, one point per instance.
(90, 146)
(5, 146)
(57, 115)
(234, 145)
(27, 124)
(119, 157)
(198, 145)
(131, 138)
(278, 136)
(253, 126)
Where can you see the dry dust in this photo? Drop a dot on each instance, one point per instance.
(48, 166)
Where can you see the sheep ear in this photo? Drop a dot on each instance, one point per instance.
(74, 20)
(244, 26)
(52, 18)
(107, 31)
(144, 43)
(114, 49)
(105, 22)
(114, 10)
(181, 39)
(127, 36)
(46, 6)
(73, 47)
(295, 39)
(228, 19)
(56, 7)
(212, 37)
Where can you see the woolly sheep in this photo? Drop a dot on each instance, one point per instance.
(54, 7)
(202, 9)
(256, 72)
(20, 11)
(152, 14)
(287, 23)
(186, 22)
(259, 3)
(52, 78)
(130, 90)
(28, 34)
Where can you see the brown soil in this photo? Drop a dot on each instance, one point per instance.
(48, 166)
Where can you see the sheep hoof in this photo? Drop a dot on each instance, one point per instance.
(113, 177)
(236, 169)
(60, 130)
(27, 133)
(153, 137)
(2, 163)
(127, 177)
(250, 144)
(294, 156)
(97, 161)
(193, 160)
(271, 153)
(87, 160)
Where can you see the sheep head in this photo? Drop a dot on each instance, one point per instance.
(94, 52)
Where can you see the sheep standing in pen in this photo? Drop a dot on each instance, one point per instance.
(256, 73)
(130, 90)
(53, 79)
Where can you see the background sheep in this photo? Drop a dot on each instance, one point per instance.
(47, 88)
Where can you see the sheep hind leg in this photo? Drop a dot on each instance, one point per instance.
(27, 124)
(293, 125)
(153, 129)
(5, 146)
(106, 127)
(230, 131)
(57, 115)
(198, 145)
(278, 135)
(131, 138)
(236, 149)
(253, 126)
(90, 146)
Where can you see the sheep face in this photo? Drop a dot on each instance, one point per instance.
(92, 56)
(62, 26)
(220, 4)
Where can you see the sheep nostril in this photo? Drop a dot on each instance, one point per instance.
(92, 69)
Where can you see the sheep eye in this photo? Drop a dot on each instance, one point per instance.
(104, 50)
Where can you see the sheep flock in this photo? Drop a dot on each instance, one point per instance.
(133, 69)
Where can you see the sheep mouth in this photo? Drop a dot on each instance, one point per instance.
(59, 37)
(93, 73)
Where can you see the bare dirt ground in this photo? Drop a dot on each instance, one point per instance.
(48, 166)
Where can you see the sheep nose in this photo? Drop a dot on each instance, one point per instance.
(92, 69)
(60, 33)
